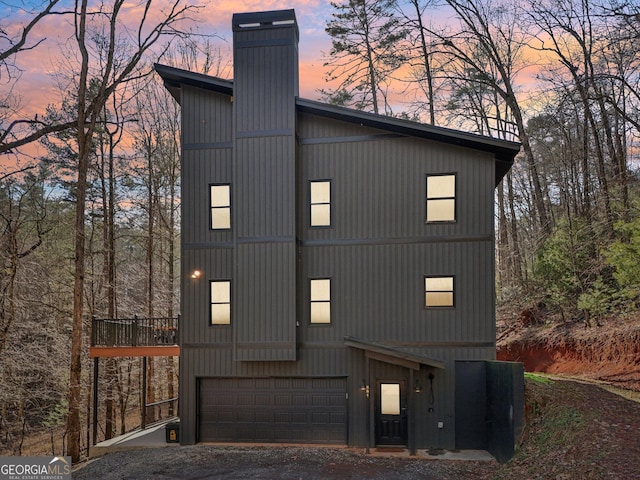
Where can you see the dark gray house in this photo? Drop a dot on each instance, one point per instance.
(337, 266)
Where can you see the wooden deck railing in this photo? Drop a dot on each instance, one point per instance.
(134, 332)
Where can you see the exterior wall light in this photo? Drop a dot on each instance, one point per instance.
(417, 387)
(196, 274)
(365, 388)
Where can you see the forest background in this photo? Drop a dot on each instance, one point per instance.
(89, 180)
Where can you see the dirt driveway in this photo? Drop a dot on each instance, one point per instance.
(308, 463)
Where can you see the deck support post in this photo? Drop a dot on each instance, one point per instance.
(95, 400)
(143, 422)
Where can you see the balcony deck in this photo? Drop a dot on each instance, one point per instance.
(134, 337)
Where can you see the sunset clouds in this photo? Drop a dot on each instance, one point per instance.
(38, 85)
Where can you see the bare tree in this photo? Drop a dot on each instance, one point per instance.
(108, 77)
(490, 43)
(422, 60)
(17, 132)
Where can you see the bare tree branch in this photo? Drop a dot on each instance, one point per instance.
(20, 44)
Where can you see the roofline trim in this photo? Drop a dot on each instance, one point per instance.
(174, 77)
(370, 119)
(402, 355)
(504, 151)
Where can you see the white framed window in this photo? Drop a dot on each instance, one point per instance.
(441, 198)
(220, 200)
(220, 302)
(320, 300)
(438, 292)
(320, 203)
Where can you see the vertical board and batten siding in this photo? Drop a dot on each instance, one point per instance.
(378, 292)
(379, 247)
(206, 159)
(264, 301)
(206, 117)
(264, 186)
(201, 168)
(195, 324)
(379, 189)
(263, 100)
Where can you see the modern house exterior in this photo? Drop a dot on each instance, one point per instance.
(337, 266)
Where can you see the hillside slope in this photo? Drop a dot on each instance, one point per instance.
(575, 430)
(609, 352)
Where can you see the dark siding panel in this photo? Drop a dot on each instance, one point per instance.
(264, 98)
(378, 292)
(264, 187)
(314, 128)
(195, 325)
(200, 168)
(264, 301)
(379, 188)
(206, 117)
(471, 405)
(265, 79)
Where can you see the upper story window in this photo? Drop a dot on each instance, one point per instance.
(220, 302)
(441, 198)
(321, 300)
(438, 292)
(220, 199)
(320, 203)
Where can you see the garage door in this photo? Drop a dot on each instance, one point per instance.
(300, 410)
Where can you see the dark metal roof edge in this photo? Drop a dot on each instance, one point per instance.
(174, 77)
(503, 150)
(392, 352)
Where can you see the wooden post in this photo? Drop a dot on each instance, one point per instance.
(95, 400)
(143, 421)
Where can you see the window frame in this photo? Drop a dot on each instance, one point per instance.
(312, 203)
(312, 301)
(221, 207)
(452, 291)
(212, 303)
(427, 199)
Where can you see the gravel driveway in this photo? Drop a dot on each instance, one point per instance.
(308, 463)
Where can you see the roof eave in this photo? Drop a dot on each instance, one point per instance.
(504, 151)
(392, 352)
(174, 78)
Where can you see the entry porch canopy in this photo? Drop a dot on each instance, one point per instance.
(393, 355)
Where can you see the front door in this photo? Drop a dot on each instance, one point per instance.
(391, 413)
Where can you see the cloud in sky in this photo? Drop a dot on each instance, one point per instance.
(311, 16)
(37, 85)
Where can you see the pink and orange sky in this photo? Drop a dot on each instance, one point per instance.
(311, 15)
(38, 86)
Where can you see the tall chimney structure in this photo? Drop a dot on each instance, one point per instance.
(265, 87)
